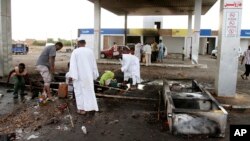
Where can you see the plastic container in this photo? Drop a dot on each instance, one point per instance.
(63, 90)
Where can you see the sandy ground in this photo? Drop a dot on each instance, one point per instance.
(117, 119)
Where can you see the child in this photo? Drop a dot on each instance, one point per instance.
(18, 74)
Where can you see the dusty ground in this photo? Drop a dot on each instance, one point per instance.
(117, 119)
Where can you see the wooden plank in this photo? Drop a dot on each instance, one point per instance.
(125, 97)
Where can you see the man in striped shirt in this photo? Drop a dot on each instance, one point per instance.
(246, 60)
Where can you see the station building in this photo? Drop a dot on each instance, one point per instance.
(174, 39)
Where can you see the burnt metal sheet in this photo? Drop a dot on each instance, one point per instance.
(153, 7)
(196, 112)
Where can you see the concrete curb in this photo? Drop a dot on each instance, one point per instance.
(236, 107)
(203, 66)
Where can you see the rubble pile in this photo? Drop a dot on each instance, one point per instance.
(30, 117)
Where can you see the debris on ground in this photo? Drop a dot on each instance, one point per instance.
(62, 127)
(114, 122)
(84, 130)
(32, 137)
(27, 116)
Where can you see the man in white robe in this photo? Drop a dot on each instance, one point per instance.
(131, 68)
(83, 71)
(138, 51)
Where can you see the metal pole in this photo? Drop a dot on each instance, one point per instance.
(125, 28)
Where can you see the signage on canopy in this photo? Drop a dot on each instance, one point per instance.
(233, 4)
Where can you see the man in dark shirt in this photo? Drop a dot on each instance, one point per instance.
(46, 65)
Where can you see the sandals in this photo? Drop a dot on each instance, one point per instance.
(81, 112)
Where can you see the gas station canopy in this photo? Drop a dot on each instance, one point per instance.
(153, 7)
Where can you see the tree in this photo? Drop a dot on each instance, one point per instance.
(50, 40)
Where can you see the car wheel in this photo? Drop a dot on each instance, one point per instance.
(102, 56)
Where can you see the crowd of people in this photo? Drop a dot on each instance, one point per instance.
(150, 53)
(83, 71)
(82, 74)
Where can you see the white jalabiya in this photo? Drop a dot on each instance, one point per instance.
(83, 70)
(138, 50)
(131, 68)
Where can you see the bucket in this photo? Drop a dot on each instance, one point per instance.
(62, 90)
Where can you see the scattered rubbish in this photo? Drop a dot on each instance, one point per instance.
(62, 107)
(19, 134)
(42, 100)
(19, 131)
(140, 87)
(1, 95)
(64, 127)
(84, 130)
(32, 137)
(36, 113)
(36, 107)
(114, 121)
(67, 116)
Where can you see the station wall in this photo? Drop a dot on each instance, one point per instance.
(173, 44)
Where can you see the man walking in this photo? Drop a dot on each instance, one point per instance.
(246, 60)
(83, 71)
(46, 65)
(148, 52)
